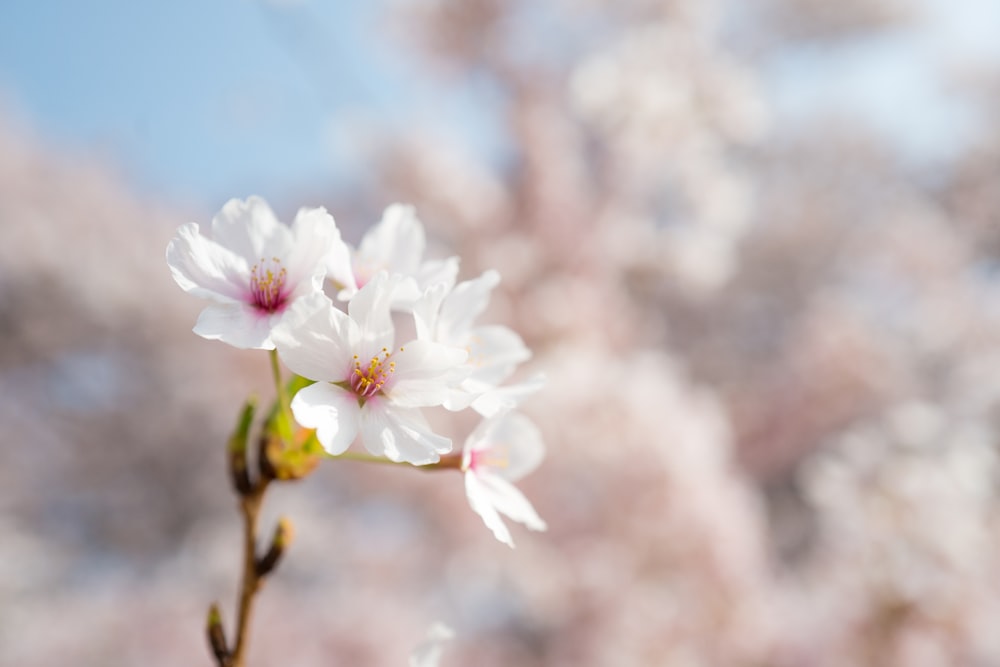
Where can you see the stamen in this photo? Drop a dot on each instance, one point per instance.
(368, 381)
(497, 456)
(267, 282)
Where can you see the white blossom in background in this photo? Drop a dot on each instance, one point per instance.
(396, 245)
(499, 452)
(906, 508)
(447, 315)
(366, 383)
(428, 653)
(253, 267)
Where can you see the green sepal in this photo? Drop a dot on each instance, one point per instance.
(289, 451)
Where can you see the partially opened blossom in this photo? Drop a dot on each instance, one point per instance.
(447, 315)
(498, 453)
(395, 245)
(367, 384)
(252, 267)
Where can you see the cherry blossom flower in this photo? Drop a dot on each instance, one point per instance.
(253, 267)
(396, 244)
(500, 451)
(446, 315)
(366, 383)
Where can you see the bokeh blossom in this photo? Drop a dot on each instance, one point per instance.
(428, 653)
(252, 266)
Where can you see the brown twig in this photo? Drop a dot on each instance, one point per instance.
(251, 581)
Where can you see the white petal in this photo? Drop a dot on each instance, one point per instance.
(465, 303)
(438, 272)
(425, 311)
(314, 233)
(481, 504)
(494, 353)
(315, 340)
(238, 324)
(509, 501)
(425, 373)
(396, 244)
(458, 399)
(370, 308)
(510, 446)
(401, 434)
(204, 268)
(496, 401)
(250, 229)
(332, 411)
(339, 270)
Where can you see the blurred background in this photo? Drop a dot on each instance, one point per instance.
(753, 245)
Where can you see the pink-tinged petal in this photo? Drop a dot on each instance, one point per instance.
(396, 244)
(400, 434)
(250, 229)
(314, 233)
(425, 373)
(494, 353)
(481, 503)
(315, 340)
(509, 446)
(501, 399)
(202, 267)
(332, 411)
(237, 324)
(509, 501)
(370, 308)
(465, 303)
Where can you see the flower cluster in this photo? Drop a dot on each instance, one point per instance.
(335, 314)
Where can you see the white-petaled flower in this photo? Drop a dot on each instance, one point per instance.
(428, 653)
(446, 315)
(500, 451)
(253, 267)
(366, 384)
(396, 245)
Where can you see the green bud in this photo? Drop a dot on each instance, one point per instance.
(237, 448)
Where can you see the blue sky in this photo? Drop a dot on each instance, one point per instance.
(196, 100)
(201, 101)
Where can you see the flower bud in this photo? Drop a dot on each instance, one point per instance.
(288, 452)
(282, 539)
(217, 636)
(237, 449)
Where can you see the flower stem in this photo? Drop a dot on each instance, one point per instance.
(366, 458)
(251, 581)
(279, 386)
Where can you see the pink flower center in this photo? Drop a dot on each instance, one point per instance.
(267, 282)
(496, 456)
(366, 381)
